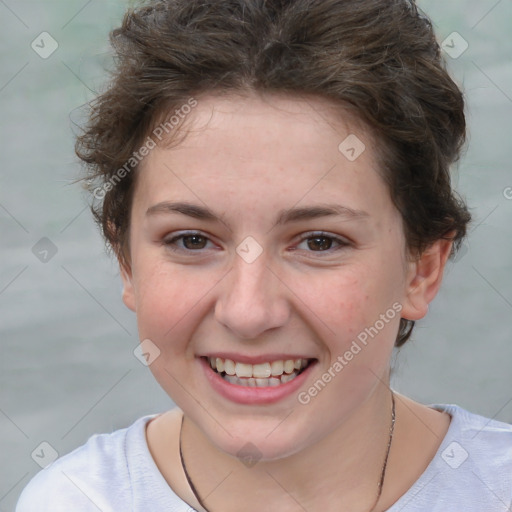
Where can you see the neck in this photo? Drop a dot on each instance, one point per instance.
(343, 468)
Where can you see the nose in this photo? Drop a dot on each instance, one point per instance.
(252, 300)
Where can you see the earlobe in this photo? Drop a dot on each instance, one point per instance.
(128, 289)
(424, 279)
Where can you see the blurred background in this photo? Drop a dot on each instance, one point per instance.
(67, 366)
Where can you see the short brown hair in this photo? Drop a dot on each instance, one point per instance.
(377, 57)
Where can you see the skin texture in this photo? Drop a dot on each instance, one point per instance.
(247, 158)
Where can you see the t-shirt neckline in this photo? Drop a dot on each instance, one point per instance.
(141, 461)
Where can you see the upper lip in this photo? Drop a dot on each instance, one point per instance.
(261, 358)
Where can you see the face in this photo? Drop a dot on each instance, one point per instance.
(254, 242)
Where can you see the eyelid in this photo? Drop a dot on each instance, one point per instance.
(170, 241)
(343, 242)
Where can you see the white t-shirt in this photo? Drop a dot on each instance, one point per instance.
(471, 472)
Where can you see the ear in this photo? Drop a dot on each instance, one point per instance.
(128, 289)
(424, 279)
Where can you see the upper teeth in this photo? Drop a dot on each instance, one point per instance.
(261, 371)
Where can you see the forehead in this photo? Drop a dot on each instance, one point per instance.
(278, 120)
(283, 148)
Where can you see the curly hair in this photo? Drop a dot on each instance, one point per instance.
(380, 58)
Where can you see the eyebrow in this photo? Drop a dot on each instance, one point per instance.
(285, 216)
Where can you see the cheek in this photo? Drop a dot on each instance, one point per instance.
(343, 299)
(355, 305)
(170, 305)
(168, 302)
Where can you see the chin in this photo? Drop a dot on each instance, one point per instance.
(255, 442)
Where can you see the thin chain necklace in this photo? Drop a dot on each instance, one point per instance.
(382, 476)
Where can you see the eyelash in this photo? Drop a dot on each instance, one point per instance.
(308, 236)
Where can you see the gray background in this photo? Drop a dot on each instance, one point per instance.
(67, 363)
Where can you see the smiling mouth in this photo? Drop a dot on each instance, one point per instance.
(270, 374)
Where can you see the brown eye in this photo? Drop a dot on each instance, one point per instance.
(320, 243)
(191, 242)
(194, 241)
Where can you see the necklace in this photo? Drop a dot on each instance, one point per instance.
(382, 475)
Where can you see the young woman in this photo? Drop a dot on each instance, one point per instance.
(273, 176)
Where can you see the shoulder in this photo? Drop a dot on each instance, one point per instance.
(477, 460)
(471, 471)
(95, 476)
(486, 439)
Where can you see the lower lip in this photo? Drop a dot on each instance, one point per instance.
(253, 395)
